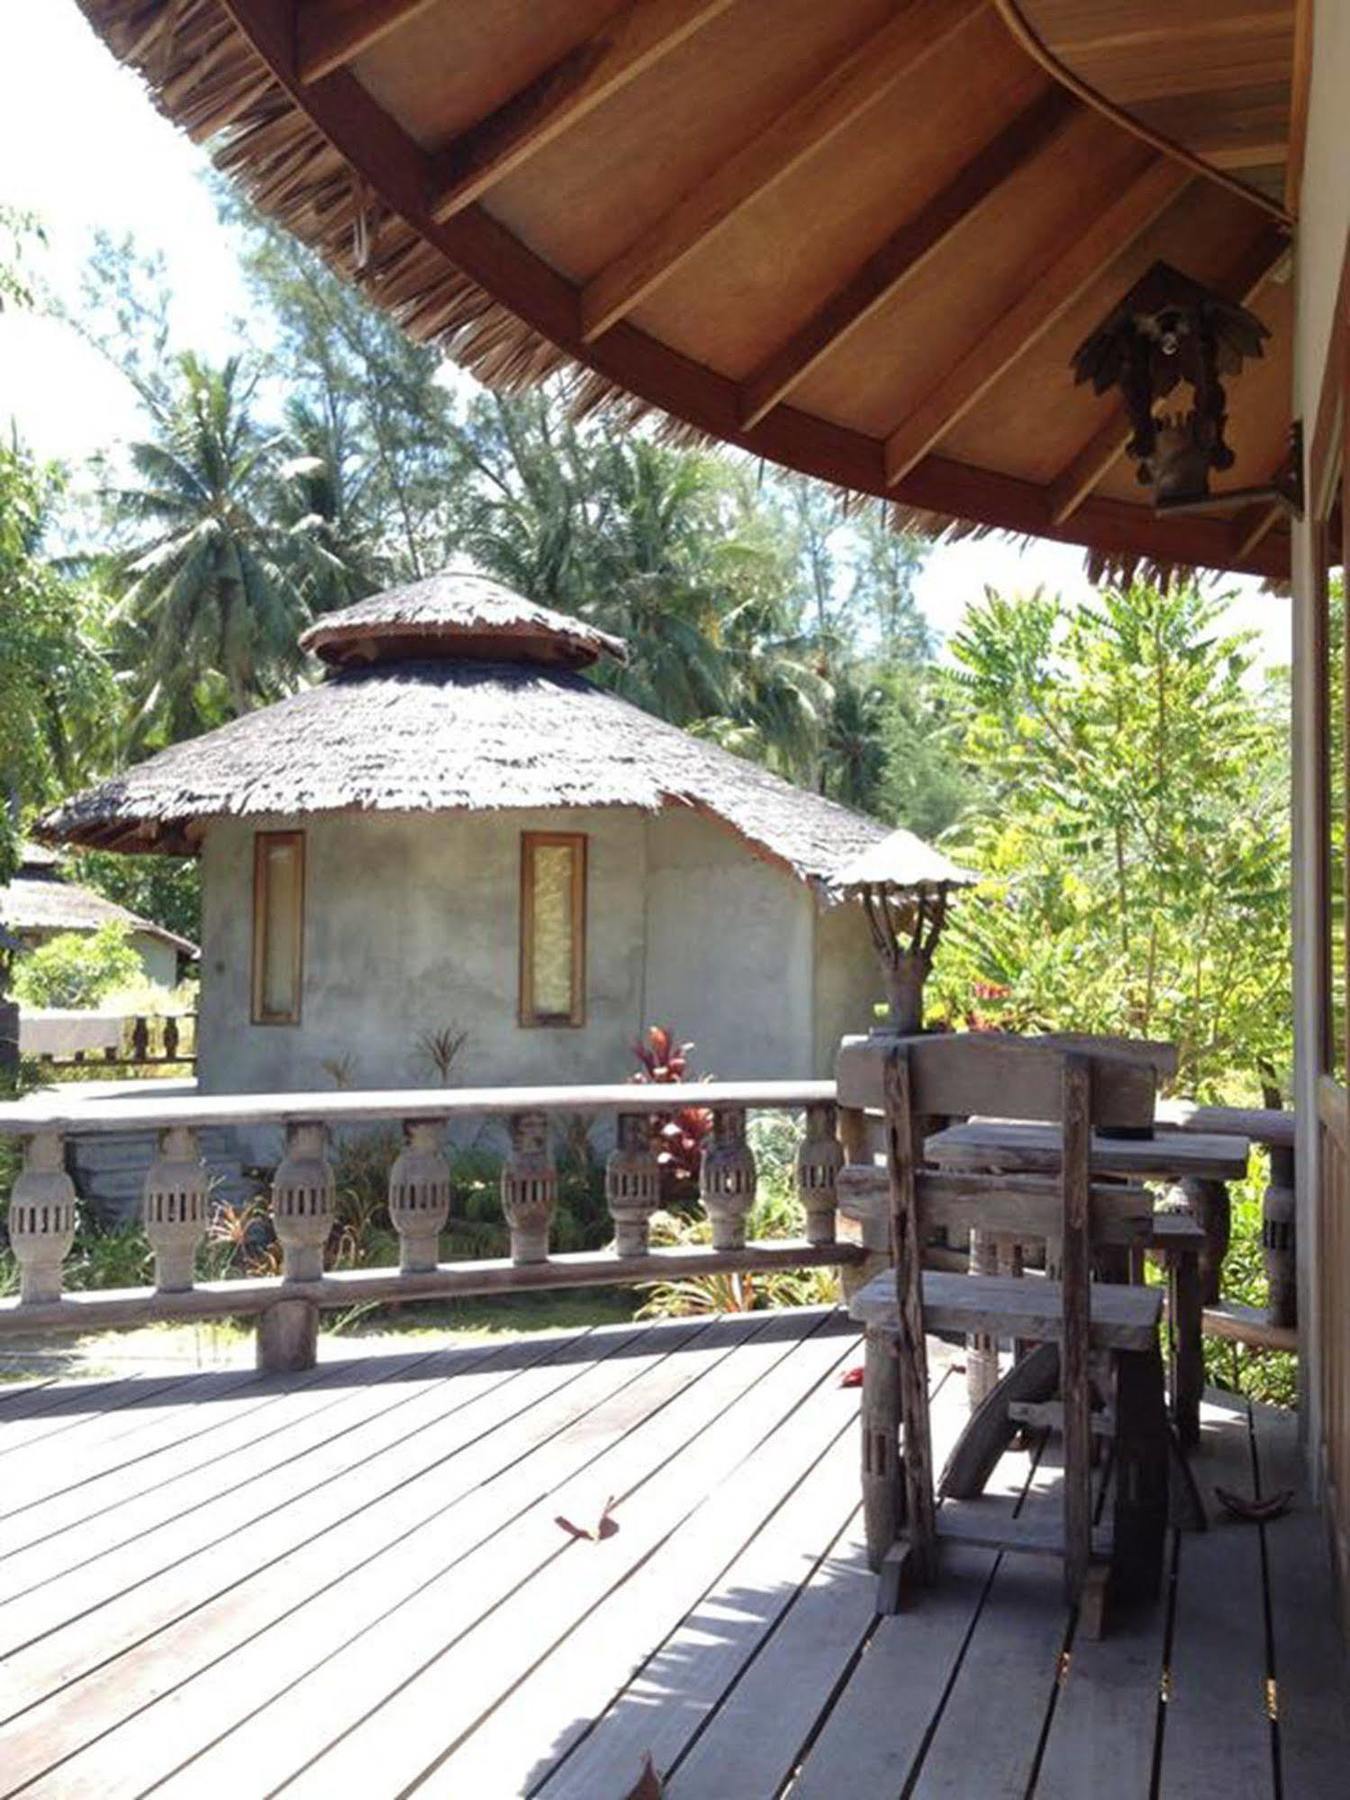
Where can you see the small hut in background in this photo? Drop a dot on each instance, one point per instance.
(457, 835)
(42, 902)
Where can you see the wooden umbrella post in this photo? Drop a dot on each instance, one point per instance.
(906, 927)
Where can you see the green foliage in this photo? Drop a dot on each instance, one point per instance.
(1130, 816)
(164, 889)
(77, 969)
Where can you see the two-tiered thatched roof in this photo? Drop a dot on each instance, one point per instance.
(484, 715)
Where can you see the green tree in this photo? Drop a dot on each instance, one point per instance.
(1131, 821)
(211, 591)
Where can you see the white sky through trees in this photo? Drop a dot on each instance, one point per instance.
(82, 148)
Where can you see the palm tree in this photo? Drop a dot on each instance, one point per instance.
(211, 578)
(319, 500)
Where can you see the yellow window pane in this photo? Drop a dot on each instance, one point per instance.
(279, 873)
(552, 898)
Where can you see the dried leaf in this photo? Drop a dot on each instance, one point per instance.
(852, 1377)
(604, 1527)
(648, 1784)
(1254, 1512)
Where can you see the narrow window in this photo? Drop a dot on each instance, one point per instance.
(552, 928)
(278, 926)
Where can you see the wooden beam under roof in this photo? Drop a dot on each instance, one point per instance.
(905, 251)
(1103, 449)
(860, 79)
(629, 42)
(331, 33)
(1090, 242)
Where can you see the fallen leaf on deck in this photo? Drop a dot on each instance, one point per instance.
(1256, 1512)
(649, 1783)
(604, 1527)
(852, 1377)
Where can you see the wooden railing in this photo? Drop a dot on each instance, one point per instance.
(1333, 1311)
(148, 1040)
(176, 1204)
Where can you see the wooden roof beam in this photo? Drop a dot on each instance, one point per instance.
(904, 252)
(1103, 449)
(637, 36)
(827, 106)
(1090, 242)
(331, 33)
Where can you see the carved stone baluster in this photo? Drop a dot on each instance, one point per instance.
(140, 1038)
(171, 1039)
(419, 1194)
(173, 1207)
(727, 1178)
(303, 1192)
(529, 1187)
(820, 1157)
(632, 1184)
(42, 1217)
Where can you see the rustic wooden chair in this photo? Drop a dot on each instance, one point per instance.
(1106, 1333)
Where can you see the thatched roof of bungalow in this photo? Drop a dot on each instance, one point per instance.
(456, 695)
(41, 900)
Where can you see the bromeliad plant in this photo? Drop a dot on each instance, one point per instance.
(677, 1137)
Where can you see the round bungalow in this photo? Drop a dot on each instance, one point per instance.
(457, 831)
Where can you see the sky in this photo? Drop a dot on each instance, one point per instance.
(82, 148)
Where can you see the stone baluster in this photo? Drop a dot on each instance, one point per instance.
(42, 1217)
(419, 1194)
(632, 1184)
(303, 1192)
(529, 1187)
(820, 1157)
(727, 1178)
(173, 1207)
(170, 1039)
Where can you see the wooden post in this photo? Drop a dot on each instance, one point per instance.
(303, 1192)
(42, 1217)
(173, 1208)
(727, 1178)
(1187, 1346)
(1074, 1359)
(981, 1346)
(883, 1493)
(632, 1184)
(419, 1194)
(288, 1337)
(1209, 1202)
(529, 1187)
(820, 1157)
(904, 1149)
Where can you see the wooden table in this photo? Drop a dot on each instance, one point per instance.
(1192, 1251)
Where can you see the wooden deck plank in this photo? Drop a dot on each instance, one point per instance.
(706, 1600)
(658, 1476)
(110, 1507)
(164, 1529)
(756, 1735)
(988, 1735)
(42, 1412)
(1216, 1730)
(95, 1636)
(305, 1614)
(1312, 1682)
(871, 1741)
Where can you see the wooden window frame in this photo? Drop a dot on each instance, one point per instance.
(262, 841)
(528, 1014)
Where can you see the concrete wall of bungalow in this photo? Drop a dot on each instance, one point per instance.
(412, 926)
(1321, 249)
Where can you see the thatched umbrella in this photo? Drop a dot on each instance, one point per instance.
(904, 885)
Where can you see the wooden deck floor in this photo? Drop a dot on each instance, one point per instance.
(392, 1575)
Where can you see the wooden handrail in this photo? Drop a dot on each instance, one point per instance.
(82, 1118)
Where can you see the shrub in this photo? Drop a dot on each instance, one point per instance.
(677, 1137)
(75, 970)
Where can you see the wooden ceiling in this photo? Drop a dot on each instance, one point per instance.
(861, 239)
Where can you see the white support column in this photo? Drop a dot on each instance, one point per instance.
(632, 1184)
(529, 1187)
(419, 1194)
(727, 1178)
(42, 1217)
(173, 1208)
(303, 1192)
(820, 1157)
